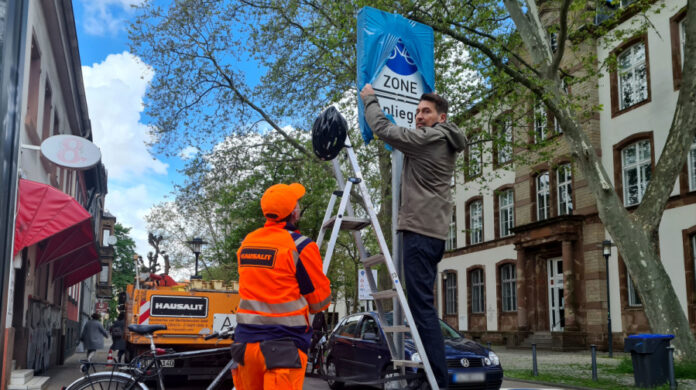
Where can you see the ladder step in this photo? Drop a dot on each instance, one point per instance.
(396, 329)
(386, 294)
(406, 363)
(373, 260)
(348, 223)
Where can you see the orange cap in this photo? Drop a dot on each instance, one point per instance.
(280, 200)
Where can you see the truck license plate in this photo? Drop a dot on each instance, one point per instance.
(469, 377)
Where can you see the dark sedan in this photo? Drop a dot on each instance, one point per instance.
(357, 351)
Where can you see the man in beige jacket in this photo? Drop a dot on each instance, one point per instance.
(430, 152)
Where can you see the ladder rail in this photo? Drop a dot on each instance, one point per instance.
(327, 216)
(397, 291)
(336, 227)
(357, 236)
(390, 265)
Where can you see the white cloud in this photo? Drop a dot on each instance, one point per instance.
(106, 16)
(130, 205)
(137, 180)
(115, 90)
(188, 152)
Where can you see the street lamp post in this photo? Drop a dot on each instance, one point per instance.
(196, 245)
(606, 251)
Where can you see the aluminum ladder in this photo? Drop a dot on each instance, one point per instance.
(345, 219)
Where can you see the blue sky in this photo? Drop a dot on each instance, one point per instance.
(115, 84)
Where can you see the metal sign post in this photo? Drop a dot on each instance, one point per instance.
(395, 55)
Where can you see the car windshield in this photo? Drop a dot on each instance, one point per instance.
(447, 331)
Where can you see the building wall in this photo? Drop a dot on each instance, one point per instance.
(45, 320)
(578, 238)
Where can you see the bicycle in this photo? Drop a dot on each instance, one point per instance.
(133, 375)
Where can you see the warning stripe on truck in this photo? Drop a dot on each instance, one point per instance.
(144, 315)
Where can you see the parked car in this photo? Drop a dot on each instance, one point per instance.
(357, 350)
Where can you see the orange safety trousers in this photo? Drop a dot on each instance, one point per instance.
(254, 375)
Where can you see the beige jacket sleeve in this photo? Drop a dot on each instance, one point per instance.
(408, 141)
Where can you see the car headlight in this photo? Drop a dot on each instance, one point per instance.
(416, 357)
(494, 359)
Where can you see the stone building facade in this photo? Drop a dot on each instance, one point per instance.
(525, 262)
(50, 298)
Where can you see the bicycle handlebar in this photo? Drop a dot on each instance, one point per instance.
(222, 335)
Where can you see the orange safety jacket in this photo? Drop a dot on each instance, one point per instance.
(280, 282)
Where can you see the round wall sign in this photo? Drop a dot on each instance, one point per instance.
(70, 151)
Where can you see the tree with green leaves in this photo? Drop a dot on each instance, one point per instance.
(123, 268)
(305, 51)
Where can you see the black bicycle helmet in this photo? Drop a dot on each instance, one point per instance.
(329, 134)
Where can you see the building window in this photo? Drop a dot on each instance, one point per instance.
(475, 222)
(692, 238)
(542, 198)
(565, 190)
(692, 166)
(632, 76)
(553, 41)
(540, 122)
(104, 274)
(451, 242)
(502, 149)
(450, 293)
(556, 124)
(678, 39)
(474, 155)
(633, 298)
(506, 210)
(477, 297)
(682, 40)
(636, 162)
(508, 282)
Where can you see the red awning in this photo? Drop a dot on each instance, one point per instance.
(49, 215)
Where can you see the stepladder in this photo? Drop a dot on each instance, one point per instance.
(344, 218)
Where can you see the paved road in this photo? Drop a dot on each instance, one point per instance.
(319, 384)
(63, 375)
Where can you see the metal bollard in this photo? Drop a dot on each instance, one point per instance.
(594, 362)
(535, 372)
(670, 363)
(489, 345)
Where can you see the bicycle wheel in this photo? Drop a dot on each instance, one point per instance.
(106, 381)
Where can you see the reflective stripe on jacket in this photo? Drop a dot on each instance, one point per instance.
(280, 282)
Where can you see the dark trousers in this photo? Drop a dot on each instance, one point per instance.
(421, 255)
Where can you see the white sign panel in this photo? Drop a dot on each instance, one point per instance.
(363, 285)
(223, 321)
(70, 151)
(399, 87)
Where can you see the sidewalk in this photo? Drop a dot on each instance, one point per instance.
(68, 372)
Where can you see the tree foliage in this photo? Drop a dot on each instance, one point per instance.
(123, 268)
(305, 49)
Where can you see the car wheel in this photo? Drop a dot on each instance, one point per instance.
(332, 372)
(393, 384)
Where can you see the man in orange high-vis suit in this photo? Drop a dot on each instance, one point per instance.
(280, 283)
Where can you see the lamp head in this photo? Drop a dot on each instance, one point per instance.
(606, 247)
(196, 244)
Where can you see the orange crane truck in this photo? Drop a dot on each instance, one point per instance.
(190, 311)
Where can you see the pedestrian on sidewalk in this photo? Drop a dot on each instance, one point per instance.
(117, 331)
(93, 336)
